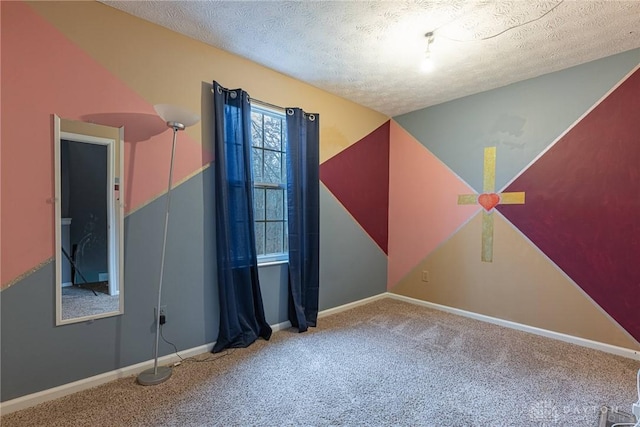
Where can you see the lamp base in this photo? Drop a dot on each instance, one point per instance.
(149, 377)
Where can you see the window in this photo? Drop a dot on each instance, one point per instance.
(268, 138)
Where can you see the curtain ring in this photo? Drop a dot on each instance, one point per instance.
(233, 95)
(312, 117)
(219, 89)
(290, 111)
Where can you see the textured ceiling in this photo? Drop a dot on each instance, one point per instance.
(370, 51)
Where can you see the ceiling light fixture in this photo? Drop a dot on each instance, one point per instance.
(427, 62)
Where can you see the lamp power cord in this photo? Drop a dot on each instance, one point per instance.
(210, 358)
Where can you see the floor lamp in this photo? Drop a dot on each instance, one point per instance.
(177, 118)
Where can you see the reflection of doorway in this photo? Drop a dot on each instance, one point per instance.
(84, 202)
(87, 206)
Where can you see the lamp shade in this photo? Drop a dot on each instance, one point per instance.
(174, 113)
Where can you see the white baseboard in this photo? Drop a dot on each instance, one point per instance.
(33, 399)
(351, 305)
(27, 401)
(280, 326)
(583, 342)
(67, 284)
(334, 310)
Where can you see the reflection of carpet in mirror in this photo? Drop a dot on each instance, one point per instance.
(81, 302)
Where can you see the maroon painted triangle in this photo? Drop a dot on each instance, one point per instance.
(359, 178)
(583, 204)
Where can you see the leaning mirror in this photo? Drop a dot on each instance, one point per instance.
(89, 220)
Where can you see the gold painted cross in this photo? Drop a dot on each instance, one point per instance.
(489, 200)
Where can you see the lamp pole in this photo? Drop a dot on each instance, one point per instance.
(159, 374)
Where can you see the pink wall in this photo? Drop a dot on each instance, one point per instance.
(44, 73)
(422, 192)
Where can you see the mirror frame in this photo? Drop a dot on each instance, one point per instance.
(115, 207)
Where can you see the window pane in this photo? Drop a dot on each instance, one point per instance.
(256, 159)
(258, 204)
(272, 167)
(256, 129)
(275, 204)
(268, 132)
(285, 205)
(286, 237)
(259, 227)
(284, 168)
(274, 238)
(272, 133)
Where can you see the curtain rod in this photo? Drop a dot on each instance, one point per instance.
(257, 101)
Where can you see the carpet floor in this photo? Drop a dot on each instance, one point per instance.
(385, 363)
(81, 302)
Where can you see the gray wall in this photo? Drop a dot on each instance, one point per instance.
(37, 355)
(274, 285)
(512, 119)
(352, 266)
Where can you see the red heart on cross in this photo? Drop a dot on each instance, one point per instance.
(488, 200)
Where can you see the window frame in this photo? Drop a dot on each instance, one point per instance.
(276, 257)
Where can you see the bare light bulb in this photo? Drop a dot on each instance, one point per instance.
(427, 64)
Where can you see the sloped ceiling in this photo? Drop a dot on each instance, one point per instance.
(370, 51)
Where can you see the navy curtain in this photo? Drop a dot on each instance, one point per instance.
(303, 199)
(242, 318)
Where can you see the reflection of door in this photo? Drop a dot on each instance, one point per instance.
(66, 245)
(85, 198)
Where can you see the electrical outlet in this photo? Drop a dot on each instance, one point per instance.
(425, 276)
(163, 311)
